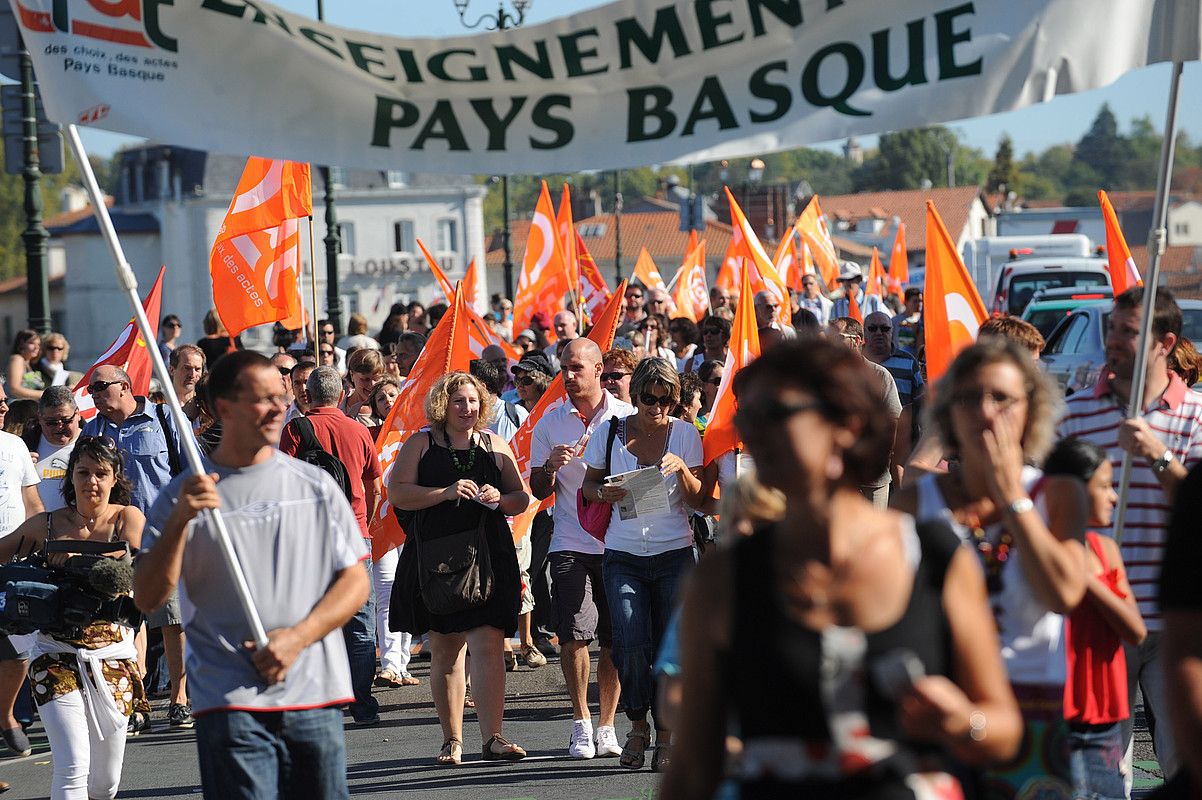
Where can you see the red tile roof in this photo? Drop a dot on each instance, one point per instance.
(909, 205)
(1180, 268)
(658, 231)
(70, 217)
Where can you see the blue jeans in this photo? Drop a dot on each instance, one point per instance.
(359, 633)
(1097, 751)
(262, 755)
(641, 592)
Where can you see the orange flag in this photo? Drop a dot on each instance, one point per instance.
(692, 296)
(899, 264)
(720, 434)
(127, 351)
(692, 243)
(764, 276)
(728, 273)
(444, 283)
(567, 238)
(596, 291)
(647, 273)
(255, 260)
(876, 275)
(785, 259)
(853, 308)
(469, 285)
(544, 280)
(603, 334)
(954, 310)
(448, 349)
(812, 227)
(1123, 272)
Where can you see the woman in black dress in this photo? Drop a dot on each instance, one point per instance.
(453, 474)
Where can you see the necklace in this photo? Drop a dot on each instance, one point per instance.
(993, 557)
(471, 456)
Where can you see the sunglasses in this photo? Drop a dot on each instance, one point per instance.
(714, 381)
(878, 328)
(173, 325)
(634, 297)
(100, 386)
(58, 422)
(613, 376)
(287, 373)
(649, 399)
(523, 380)
(327, 352)
(750, 418)
(55, 347)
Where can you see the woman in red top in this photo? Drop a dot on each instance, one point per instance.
(1095, 689)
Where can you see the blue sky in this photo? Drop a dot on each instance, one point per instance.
(1064, 119)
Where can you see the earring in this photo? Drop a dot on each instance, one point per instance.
(834, 466)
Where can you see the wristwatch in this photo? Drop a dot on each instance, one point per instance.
(1162, 463)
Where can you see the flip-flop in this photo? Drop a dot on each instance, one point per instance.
(409, 680)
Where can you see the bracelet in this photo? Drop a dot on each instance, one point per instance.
(1020, 506)
(550, 473)
(976, 726)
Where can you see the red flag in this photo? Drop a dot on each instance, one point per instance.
(255, 260)
(444, 283)
(1123, 272)
(544, 280)
(596, 291)
(128, 351)
(448, 349)
(899, 264)
(954, 310)
(720, 433)
(603, 334)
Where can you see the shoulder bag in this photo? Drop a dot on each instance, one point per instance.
(594, 515)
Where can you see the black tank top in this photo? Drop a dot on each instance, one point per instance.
(792, 686)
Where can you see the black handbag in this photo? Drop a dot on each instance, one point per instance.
(454, 572)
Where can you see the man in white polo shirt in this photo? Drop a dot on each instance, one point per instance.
(1164, 442)
(557, 443)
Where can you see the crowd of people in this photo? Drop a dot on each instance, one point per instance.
(889, 590)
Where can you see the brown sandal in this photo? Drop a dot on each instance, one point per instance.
(451, 753)
(508, 752)
(634, 757)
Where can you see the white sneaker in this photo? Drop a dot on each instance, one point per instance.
(581, 744)
(606, 742)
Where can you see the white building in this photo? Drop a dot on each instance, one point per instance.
(171, 202)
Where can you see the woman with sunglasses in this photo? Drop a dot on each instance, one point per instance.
(710, 373)
(993, 413)
(647, 556)
(85, 719)
(659, 342)
(715, 338)
(849, 649)
(530, 385)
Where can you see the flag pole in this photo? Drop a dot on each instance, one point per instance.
(313, 282)
(129, 283)
(1156, 245)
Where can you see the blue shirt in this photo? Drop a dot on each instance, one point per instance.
(141, 439)
(907, 374)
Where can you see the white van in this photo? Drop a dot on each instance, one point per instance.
(985, 257)
(1021, 279)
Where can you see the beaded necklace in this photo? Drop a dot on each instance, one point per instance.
(993, 557)
(471, 456)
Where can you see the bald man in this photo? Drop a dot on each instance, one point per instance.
(766, 306)
(557, 442)
(566, 329)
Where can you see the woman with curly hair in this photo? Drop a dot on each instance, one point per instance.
(993, 413)
(457, 477)
(85, 719)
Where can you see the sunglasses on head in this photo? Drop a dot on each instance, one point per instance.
(648, 399)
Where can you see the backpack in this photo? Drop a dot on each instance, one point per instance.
(311, 452)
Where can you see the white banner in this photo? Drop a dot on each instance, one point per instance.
(631, 83)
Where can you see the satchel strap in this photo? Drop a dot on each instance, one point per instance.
(609, 442)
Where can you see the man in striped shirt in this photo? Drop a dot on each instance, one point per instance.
(1164, 442)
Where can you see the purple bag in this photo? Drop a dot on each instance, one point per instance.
(594, 516)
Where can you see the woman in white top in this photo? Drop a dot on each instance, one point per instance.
(646, 557)
(658, 342)
(994, 412)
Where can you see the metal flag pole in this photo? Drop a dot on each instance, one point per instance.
(1156, 245)
(129, 283)
(313, 280)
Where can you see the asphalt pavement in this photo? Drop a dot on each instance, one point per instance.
(396, 757)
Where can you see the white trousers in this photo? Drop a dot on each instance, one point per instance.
(84, 766)
(394, 647)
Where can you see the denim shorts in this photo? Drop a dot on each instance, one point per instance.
(1094, 758)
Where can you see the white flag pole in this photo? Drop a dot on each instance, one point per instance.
(129, 283)
(1156, 245)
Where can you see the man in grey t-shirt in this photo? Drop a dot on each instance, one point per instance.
(850, 332)
(264, 718)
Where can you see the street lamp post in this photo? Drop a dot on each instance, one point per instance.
(617, 226)
(35, 235)
(331, 240)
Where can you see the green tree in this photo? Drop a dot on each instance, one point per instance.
(1103, 150)
(1003, 174)
(906, 158)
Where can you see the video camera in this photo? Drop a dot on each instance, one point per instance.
(60, 601)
